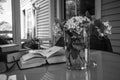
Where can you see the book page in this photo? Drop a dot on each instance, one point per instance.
(32, 59)
(31, 54)
(56, 59)
(50, 51)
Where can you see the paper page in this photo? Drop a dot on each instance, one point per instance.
(50, 51)
(56, 59)
(31, 54)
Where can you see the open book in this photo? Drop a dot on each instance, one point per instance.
(35, 58)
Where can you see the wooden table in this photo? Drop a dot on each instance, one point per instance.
(106, 67)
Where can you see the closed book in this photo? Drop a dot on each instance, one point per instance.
(36, 58)
(9, 47)
(14, 56)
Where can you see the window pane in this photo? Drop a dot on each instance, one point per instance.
(5, 18)
(27, 20)
(79, 7)
(70, 8)
(86, 5)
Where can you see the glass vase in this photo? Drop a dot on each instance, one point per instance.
(77, 50)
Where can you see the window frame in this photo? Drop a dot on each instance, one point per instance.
(16, 27)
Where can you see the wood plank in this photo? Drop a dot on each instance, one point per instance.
(115, 30)
(44, 5)
(45, 34)
(39, 23)
(43, 20)
(115, 23)
(115, 43)
(42, 37)
(43, 23)
(107, 1)
(111, 5)
(116, 49)
(44, 8)
(39, 17)
(111, 11)
(111, 17)
(43, 11)
(43, 15)
(45, 26)
(44, 30)
(42, 2)
(114, 36)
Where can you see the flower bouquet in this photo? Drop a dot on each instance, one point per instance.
(77, 32)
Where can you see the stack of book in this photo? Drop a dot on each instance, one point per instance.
(11, 50)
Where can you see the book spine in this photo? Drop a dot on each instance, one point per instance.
(9, 49)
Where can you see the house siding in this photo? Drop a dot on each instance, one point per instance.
(110, 10)
(42, 19)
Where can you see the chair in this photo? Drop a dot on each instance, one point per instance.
(100, 43)
(60, 42)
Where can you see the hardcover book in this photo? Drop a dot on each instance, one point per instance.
(9, 48)
(16, 54)
(35, 58)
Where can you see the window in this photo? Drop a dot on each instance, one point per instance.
(79, 7)
(27, 20)
(35, 21)
(6, 19)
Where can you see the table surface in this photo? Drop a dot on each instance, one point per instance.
(107, 67)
